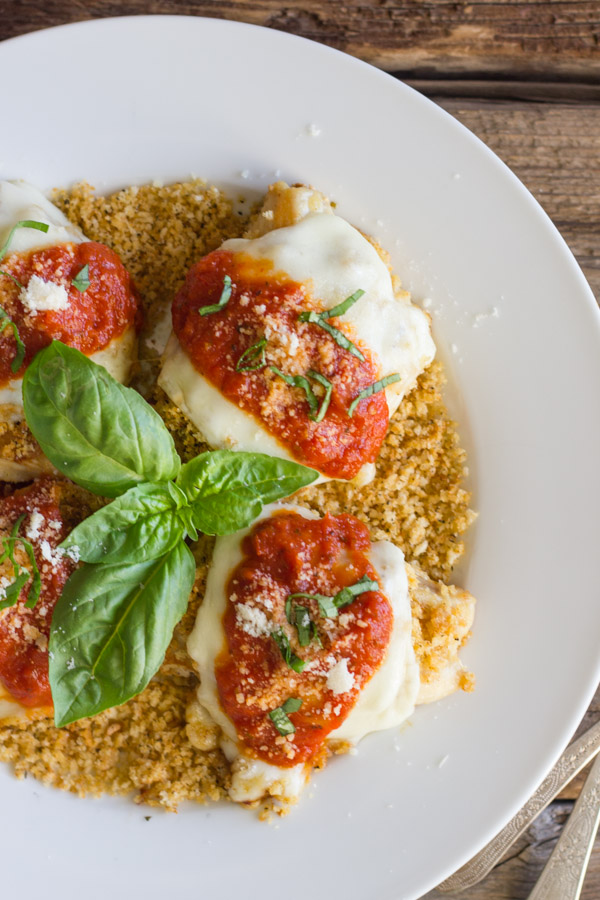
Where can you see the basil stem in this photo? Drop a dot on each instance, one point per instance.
(282, 641)
(255, 357)
(82, 279)
(223, 299)
(12, 278)
(279, 715)
(372, 389)
(7, 322)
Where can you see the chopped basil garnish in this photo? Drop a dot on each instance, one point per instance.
(300, 618)
(24, 223)
(225, 295)
(282, 641)
(253, 358)
(301, 382)
(317, 411)
(326, 397)
(12, 591)
(372, 389)
(329, 605)
(279, 718)
(344, 306)
(7, 322)
(82, 279)
(322, 318)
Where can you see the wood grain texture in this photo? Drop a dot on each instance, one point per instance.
(545, 38)
(555, 151)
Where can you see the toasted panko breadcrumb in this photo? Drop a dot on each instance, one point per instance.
(158, 745)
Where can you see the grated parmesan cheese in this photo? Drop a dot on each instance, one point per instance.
(339, 679)
(252, 620)
(40, 295)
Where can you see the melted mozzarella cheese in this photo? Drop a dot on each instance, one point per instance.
(20, 201)
(333, 260)
(386, 701)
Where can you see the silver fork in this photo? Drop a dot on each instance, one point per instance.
(572, 761)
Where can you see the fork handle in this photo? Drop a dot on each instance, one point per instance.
(563, 875)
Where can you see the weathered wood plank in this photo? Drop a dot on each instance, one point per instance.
(545, 38)
(554, 150)
(514, 877)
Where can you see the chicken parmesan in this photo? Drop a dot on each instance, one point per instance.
(294, 342)
(304, 644)
(54, 285)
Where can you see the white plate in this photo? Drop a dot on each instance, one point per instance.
(118, 101)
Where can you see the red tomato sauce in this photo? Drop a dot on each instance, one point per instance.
(24, 632)
(265, 303)
(283, 555)
(92, 318)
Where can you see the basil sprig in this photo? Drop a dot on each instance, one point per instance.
(113, 623)
(11, 592)
(322, 319)
(300, 617)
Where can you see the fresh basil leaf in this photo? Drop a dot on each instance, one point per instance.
(10, 594)
(324, 382)
(102, 435)
(110, 631)
(82, 279)
(347, 594)
(227, 490)
(140, 525)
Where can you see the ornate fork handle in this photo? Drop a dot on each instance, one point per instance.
(564, 873)
(575, 757)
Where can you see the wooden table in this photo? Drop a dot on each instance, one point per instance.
(525, 77)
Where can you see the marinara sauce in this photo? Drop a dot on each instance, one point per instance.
(283, 555)
(264, 307)
(92, 318)
(24, 632)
